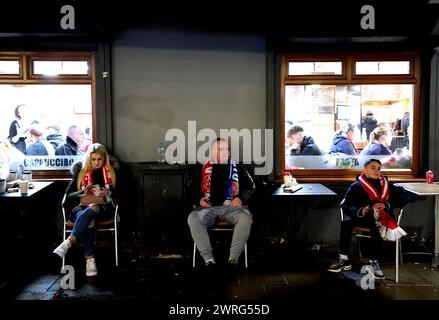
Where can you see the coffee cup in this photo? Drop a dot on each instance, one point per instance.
(12, 176)
(23, 186)
(27, 175)
(288, 180)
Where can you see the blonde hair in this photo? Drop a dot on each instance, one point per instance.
(377, 133)
(86, 166)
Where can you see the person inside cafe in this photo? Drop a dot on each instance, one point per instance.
(368, 123)
(300, 144)
(380, 141)
(91, 195)
(368, 203)
(343, 140)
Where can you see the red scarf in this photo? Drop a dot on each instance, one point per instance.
(388, 227)
(88, 178)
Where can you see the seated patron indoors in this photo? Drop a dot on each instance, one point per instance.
(368, 203)
(301, 145)
(222, 195)
(90, 194)
(380, 141)
(342, 142)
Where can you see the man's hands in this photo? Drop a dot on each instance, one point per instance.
(236, 202)
(205, 203)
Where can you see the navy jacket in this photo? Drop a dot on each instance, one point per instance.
(356, 198)
(341, 144)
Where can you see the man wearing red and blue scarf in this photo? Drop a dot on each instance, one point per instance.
(368, 203)
(220, 199)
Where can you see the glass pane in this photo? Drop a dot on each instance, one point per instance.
(342, 126)
(9, 67)
(37, 121)
(52, 68)
(382, 67)
(314, 68)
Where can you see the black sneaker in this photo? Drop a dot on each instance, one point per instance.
(340, 265)
(377, 272)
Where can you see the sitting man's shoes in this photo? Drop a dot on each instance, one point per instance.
(90, 268)
(377, 272)
(340, 265)
(62, 249)
(212, 271)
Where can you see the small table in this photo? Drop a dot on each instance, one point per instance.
(306, 193)
(428, 189)
(38, 186)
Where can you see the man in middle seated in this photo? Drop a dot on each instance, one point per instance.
(301, 145)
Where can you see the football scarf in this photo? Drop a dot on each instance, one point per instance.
(387, 226)
(88, 179)
(232, 183)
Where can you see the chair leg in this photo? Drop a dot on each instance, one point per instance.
(116, 251)
(245, 255)
(194, 254)
(359, 248)
(397, 261)
(65, 237)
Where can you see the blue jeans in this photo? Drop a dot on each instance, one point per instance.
(83, 233)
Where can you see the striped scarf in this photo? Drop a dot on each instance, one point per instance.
(387, 226)
(232, 183)
(88, 178)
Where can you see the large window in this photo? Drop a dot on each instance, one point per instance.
(336, 118)
(47, 104)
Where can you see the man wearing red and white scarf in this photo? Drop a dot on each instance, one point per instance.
(220, 198)
(368, 203)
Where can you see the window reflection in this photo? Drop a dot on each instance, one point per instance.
(349, 124)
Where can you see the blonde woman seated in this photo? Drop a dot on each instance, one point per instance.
(380, 141)
(90, 194)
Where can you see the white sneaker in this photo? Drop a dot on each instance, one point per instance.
(90, 268)
(62, 249)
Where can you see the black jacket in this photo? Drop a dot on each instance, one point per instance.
(246, 184)
(71, 203)
(369, 123)
(307, 148)
(356, 198)
(69, 148)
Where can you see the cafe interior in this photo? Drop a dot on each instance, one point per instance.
(153, 86)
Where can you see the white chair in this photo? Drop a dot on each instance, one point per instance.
(220, 226)
(101, 226)
(361, 232)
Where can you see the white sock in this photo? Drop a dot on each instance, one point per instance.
(210, 260)
(343, 257)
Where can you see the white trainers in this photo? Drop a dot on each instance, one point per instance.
(90, 268)
(62, 249)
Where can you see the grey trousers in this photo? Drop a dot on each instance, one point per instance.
(201, 219)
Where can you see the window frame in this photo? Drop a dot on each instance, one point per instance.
(26, 76)
(349, 77)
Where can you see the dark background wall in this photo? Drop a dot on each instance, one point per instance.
(219, 65)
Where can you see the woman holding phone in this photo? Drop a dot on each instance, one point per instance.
(90, 194)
